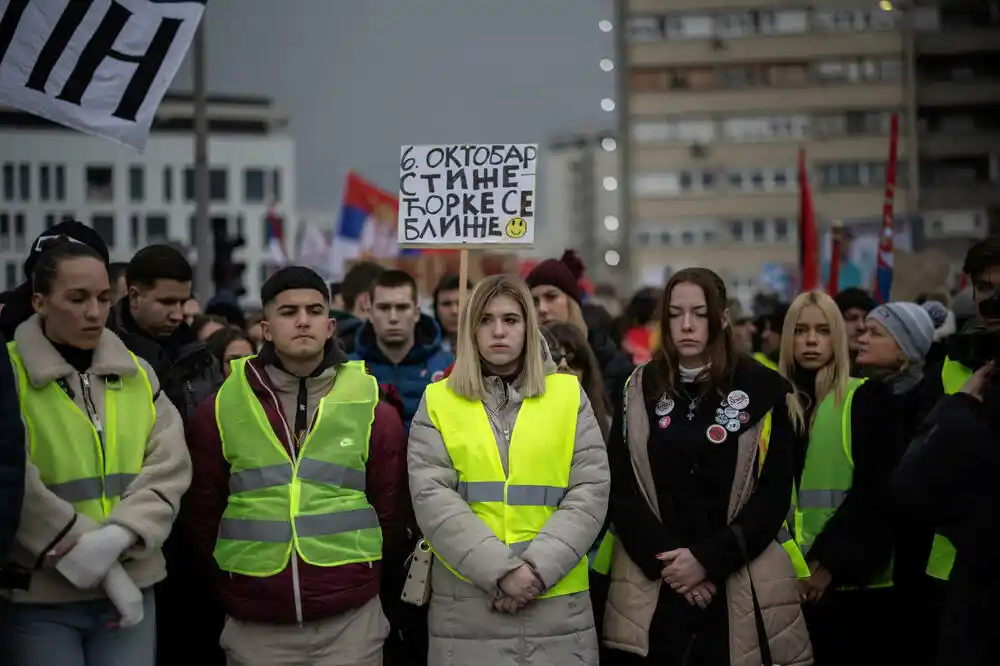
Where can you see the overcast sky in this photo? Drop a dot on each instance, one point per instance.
(360, 78)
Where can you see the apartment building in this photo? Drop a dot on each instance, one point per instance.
(49, 173)
(722, 94)
(958, 98)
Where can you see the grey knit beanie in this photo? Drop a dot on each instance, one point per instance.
(911, 325)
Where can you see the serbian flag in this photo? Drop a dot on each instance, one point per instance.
(808, 241)
(883, 266)
(275, 227)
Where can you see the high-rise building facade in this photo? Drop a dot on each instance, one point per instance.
(722, 94)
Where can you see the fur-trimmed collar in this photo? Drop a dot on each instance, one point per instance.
(44, 364)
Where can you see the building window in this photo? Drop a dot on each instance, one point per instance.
(276, 186)
(60, 182)
(11, 274)
(104, 225)
(4, 231)
(687, 238)
(44, 182)
(100, 184)
(20, 233)
(8, 182)
(645, 28)
(24, 178)
(666, 238)
(254, 186)
(218, 185)
(759, 231)
(68, 217)
(50, 220)
(168, 184)
(736, 230)
(133, 223)
(781, 229)
(157, 229)
(136, 184)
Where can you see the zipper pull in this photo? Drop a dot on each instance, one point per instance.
(95, 417)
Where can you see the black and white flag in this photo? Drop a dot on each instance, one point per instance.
(99, 66)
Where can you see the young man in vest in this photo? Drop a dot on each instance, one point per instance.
(299, 484)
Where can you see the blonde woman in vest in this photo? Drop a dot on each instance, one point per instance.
(107, 469)
(509, 480)
(844, 452)
(700, 487)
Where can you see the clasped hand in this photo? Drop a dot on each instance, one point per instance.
(518, 588)
(684, 574)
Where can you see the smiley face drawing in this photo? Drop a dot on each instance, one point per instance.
(516, 228)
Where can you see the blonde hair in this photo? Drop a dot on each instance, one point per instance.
(466, 377)
(831, 378)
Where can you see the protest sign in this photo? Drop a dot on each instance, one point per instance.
(467, 194)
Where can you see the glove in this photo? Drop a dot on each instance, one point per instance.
(124, 594)
(86, 565)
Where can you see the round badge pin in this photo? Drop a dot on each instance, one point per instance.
(743, 417)
(721, 419)
(664, 422)
(738, 400)
(732, 425)
(731, 412)
(664, 406)
(716, 434)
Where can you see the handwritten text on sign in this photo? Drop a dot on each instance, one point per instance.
(477, 194)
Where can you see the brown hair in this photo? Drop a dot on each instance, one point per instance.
(721, 356)
(575, 343)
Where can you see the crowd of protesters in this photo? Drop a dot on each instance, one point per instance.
(538, 476)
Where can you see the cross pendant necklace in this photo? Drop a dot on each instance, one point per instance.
(691, 407)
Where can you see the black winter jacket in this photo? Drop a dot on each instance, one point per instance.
(188, 372)
(12, 456)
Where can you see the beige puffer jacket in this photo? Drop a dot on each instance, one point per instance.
(464, 631)
(632, 598)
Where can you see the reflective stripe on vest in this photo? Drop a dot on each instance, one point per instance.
(765, 361)
(91, 478)
(942, 556)
(316, 503)
(514, 505)
(828, 473)
(785, 533)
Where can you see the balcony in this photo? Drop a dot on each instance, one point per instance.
(760, 153)
(958, 93)
(766, 48)
(959, 40)
(768, 100)
(829, 204)
(956, 144)
(960, 196)
(677, 6)
(723, 257)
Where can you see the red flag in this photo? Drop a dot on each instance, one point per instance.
(808, 242)
(836, 249)
(884, 258)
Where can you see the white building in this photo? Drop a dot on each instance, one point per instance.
(579, 199)
(49, 173)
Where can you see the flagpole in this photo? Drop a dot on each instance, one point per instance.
(202, 229)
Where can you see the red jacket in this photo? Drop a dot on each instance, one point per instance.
(325, 591)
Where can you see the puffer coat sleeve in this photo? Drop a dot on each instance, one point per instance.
(570, 532)
(456, 534)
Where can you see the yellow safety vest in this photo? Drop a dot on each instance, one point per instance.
(942, 557)
(315, 503)
(828, 473)
(762, 358)
(514, 505)
(90, 477)
(785, 534)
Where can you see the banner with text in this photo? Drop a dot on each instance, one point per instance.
(467, 194)
(100, 66)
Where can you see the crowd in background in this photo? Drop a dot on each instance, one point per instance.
(881, 419)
